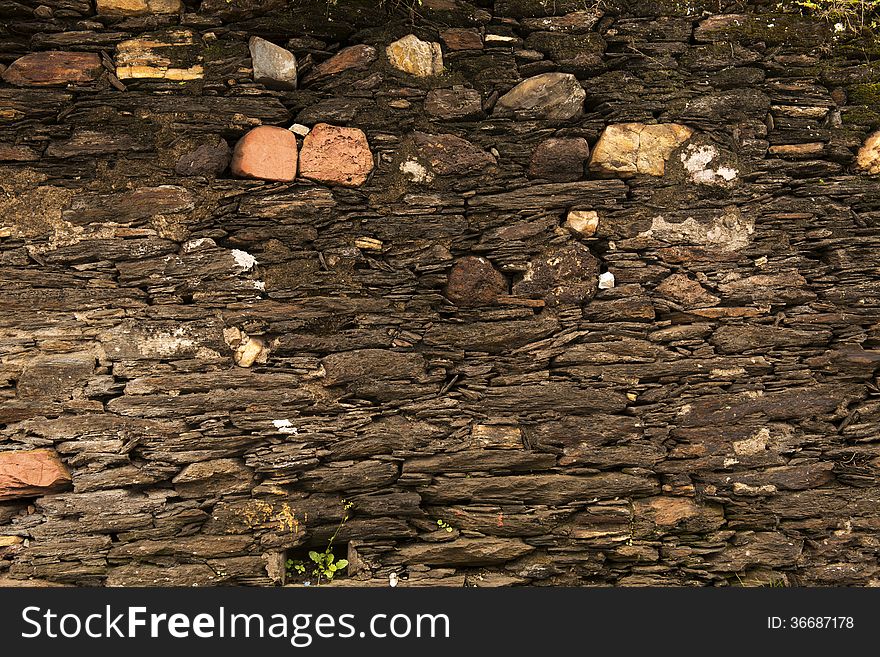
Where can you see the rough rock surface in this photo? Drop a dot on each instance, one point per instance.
(273, 66)
(630, 148)
(560, 159)
(219, 361)
(416, 57)
(28, 473)
(551, 96)
(336, 156)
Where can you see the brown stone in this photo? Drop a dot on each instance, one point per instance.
(447, 154)
(455, 103)
(560, 159)
(687, 292)
(173, 54)
(337, 156)
(461, 39)
(13, 153)
(138, 7)
(562, 276)
(797, 151)
(353, 58)
(54, 67)
(209, 159)
(266, 153)
(31, 473)
(473, 281)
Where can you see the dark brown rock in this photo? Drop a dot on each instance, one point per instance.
(473, 281)
(353, 58)
(560, 159)
(561, 277)
(456, 38)
(209, 160)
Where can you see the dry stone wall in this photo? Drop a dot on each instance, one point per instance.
(595, 287)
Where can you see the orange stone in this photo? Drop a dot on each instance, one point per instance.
(337, 156)
(266, 153)
(31, 473)
(53, 67)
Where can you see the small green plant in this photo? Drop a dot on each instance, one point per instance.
(444, 525)
(324, 565)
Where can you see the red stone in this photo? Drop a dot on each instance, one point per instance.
(54, 67)
(337, 156)
(266, 153)
(31, 473)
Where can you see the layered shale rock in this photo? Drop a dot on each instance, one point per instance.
(596, 289)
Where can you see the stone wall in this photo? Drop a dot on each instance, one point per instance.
(557, 294)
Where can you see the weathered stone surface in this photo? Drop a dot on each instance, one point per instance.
(353, 58)
(457, 38)
(215, 477)
(138, 7)
(462, 551)
(28, 473)
(336, 156)
(274, 66)
(45, 69)
(416, 57)
(267, 153)
(443, 155)
(686, 291)
(560, 159)
(551, 96)
(625, 149)
(453, 104)
(868, 157)
(173, 54)
(473, 281)
(565, 276)
(209, 160)
(582, 222)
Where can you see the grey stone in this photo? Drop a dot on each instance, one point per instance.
(273, 66)
(552, 96)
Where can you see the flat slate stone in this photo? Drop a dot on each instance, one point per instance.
(54, 67)
(267, 153)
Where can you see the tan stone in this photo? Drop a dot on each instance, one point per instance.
(266, 153)
(625, 149)
(685, 291)
(170, 55)
(337, 156)
(138, 7)
(31, 473)
(416, 57)
(54, 67)
(583, 222)
(796, 151)
(868, 158)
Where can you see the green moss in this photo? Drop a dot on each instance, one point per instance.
(864, 94)
(860, 115)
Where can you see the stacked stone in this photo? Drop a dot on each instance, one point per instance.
(594, 288)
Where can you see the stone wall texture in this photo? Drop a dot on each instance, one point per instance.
(596, 288)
